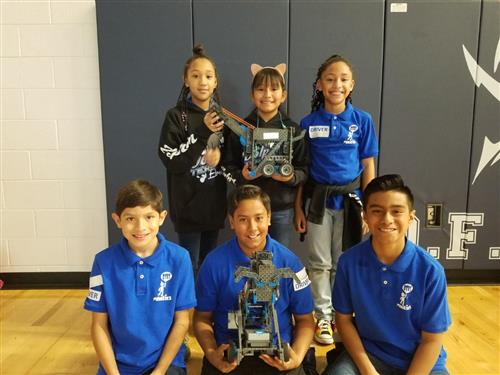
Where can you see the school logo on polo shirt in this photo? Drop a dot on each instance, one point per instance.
(352, 129)
(164, 279)
(403, 299)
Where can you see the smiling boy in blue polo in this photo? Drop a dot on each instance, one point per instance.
(141, 291)
(249, 214)
(390, 294)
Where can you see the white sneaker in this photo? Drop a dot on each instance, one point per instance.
(324, 332)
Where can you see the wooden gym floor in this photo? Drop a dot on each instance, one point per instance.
(47, 332)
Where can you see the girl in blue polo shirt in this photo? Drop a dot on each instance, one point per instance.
(342, 149)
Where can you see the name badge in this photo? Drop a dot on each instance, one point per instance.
(319, 131)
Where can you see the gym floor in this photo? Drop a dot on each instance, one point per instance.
(47, 332)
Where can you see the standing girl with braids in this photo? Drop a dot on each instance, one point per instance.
(342, 149)
(196, 186)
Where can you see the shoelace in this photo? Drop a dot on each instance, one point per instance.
(324, 325)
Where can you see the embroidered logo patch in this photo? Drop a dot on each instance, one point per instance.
(161, 296)
(319, 131)
(403, 299)
(304, 280)
(94, 295)
(352, 129)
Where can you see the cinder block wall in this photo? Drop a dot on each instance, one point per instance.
(53, 209)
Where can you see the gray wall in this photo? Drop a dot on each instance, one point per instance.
(428, 105)
(484, 176)
(142, 49)
(410, 72)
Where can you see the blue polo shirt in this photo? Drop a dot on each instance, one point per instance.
(217, 292)
(337, 144)
(394, 303)
(141, 296)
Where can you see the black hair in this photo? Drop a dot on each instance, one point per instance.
(388, 182)
(198, 53)
(138, 193)
(247, 192)
(317, 97)
(268, 76)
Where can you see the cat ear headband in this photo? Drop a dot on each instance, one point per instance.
(280, 68)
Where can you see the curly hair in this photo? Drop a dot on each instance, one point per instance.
(317, 97)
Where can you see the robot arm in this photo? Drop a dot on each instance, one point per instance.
(213, 141)
(244, 272)
(228, 121)
(287, 273)
(300, 136)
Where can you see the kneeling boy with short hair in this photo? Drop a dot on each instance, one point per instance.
(141, 290)
(389, 294)
(249, 211)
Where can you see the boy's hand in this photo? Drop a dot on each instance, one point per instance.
(299, 220)
(293, 361)
(213, 122)
(281, 178)
(247, 174)
(216, 358)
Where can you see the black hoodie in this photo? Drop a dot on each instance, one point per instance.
(282, 193)
(196, 192)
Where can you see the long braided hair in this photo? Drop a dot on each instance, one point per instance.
(198, 53)
(317, 97)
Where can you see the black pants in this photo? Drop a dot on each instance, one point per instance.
(172, 370)
(250, 366)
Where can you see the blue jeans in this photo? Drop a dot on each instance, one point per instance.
(281, 226)
(344, 365)
(250, 366)
(198, 244)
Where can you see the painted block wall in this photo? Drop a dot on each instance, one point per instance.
(52, 194)
(53, 202)
(441, 107)
(411, 75)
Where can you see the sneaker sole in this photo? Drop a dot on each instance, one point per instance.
(323, 341)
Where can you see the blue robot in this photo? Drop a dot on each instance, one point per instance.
(256, 320)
